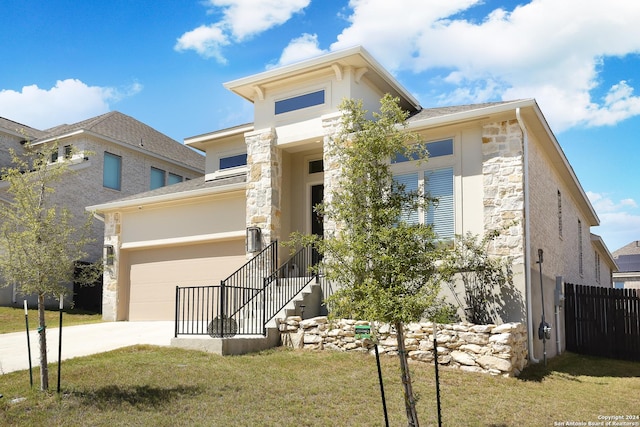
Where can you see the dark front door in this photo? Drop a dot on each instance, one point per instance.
(317, 196)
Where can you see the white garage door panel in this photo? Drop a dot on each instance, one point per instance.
(155, 273)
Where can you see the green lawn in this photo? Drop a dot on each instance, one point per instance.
(12, 319)
(154, 386)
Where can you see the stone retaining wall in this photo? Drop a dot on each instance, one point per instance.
(492, 349)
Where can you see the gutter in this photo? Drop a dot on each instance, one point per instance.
(527, 233)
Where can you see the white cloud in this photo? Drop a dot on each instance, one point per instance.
(68, 101)
(619, 220)
(241, 19)
(304, 47)
(551, 50)
(206, 40)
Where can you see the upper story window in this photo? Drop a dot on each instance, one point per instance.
(112, 171)
(299, 102)
(435, 149)
(157, 178)
(559, 214)
(580, 260)
(173, 178)
(233, 161)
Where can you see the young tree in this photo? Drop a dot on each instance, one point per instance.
(39, 241)
(384, 266)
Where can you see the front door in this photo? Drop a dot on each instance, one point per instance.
(317, 223)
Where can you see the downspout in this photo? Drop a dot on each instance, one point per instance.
(527, 230)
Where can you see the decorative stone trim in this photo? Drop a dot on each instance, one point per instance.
(491, 349)
(503, 175)
(264, 180)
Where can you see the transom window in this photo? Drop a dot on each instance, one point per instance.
(233, 161)
(299, 102)
(316, 166)
(435, 149)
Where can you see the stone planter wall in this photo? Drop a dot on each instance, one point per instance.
(492, 349)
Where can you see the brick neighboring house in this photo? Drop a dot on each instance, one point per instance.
(628, 260)
(492, 165)
(114, 156)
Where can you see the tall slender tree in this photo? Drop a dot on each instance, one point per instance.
(40, 242)
(385, 266)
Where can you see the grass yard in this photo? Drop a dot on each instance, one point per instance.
(12, 319)
(154, 386)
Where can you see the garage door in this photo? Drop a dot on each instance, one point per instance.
(155, 273)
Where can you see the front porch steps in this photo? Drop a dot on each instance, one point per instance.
(310, 296)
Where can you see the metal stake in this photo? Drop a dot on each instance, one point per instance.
(26, 321)
(60, 341)
(384, 402)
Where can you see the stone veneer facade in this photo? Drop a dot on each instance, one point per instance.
(491, 349)
(264, 183)
(110, 275)
(503, 182)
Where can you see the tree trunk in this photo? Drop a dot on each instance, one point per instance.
(44, 366)
(409, 398)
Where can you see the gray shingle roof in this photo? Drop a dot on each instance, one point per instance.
(126, 129)
(184, 187)
(29, 132)
(427, 113)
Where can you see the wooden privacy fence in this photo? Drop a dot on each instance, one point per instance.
(602, 321)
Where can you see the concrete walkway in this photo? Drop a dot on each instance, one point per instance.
(81, 340)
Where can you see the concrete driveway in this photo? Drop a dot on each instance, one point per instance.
(81, 340)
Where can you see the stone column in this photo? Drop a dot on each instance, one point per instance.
(264, 183)
(110, 275)
(503, 172)
(331, 125)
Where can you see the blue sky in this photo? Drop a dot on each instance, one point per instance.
(164, 62)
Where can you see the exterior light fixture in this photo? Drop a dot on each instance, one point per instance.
(254, 239)
(109, 254)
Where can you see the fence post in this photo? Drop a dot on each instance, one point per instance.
(222, 315)
(175, 335)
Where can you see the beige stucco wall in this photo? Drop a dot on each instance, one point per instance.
(172, 231)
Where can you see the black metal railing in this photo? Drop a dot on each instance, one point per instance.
(286, 282)
(247, 300)
(235, 307)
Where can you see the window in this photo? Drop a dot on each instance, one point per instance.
(597, 267)
(112, 171)
(435, 149)
(580, 267)
(299, 102)
(233, 161)
(316, 166)
(157, 178)
(618, 285)
(54, 156)
(438, 184)
(67, 151)
(174, 179)
(559, 214)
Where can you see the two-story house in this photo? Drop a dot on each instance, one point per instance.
(110, 156)
(492, 166)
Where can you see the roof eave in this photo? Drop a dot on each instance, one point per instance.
(598, 242)
(324, 61)
(164, 198)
